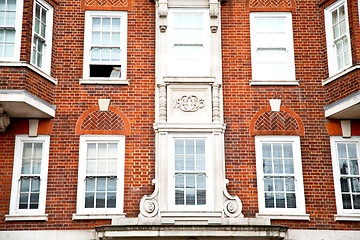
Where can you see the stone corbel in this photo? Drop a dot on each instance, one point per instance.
(4, 120)
(232, 204)
(214, 12)
(149, 206)
(163, 13)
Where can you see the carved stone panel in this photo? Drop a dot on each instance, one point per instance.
(189, 103)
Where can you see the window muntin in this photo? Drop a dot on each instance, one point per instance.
(188, 45)
(346, 157)
(28, 193)
(272, 46)
(337, 37)
(105, 45)
(101, 173)
(10, 29)
(279, 172)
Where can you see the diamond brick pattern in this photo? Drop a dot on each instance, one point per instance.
(276, 121)
(270, 4)
(106, 3)
(103, 121)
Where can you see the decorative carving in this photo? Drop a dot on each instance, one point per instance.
(189, 103)
(232, 205)
(163, 13)
(4, 120)
(162, 103)
(214, 11)
(149, 206)
(216, 102)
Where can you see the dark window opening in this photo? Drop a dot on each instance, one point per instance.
(107, 71)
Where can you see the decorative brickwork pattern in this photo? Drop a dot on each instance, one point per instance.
(270, 5)
(106, 4)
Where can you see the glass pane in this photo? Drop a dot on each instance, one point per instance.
(201, 181)
(27, 150)
(343, 166)
(25, 184)
(36, 168)
(200, 162)
(112, 150)
(342, 150)
(336, 31)
(2, 18)
(23, 202)
(189, 146)
(355, 187)
(179, 162)
(111, 184)
(115, 54)
(91, 150)
(179, 146)
(190, 196)
(35, 185)
(43, 30)
(105, 39)
(91, 166)
(101, 166)
(179, 180)
(342, 28)
(190, 180)
(289, 166)
(356, 201)
(346, 201)
(95, 38)
(90, 184)
(37, 150)
(25, 166)
(10, 19)
(89, 200)
(288, 153)
(279, 184)
(200, 146)
(179, 197)
(277, 150)
(112, 167)
(115, 24)
(268, 184)
(96, 24)
(352, 151)
(2, 5)
(267, 165)
(101, 184)
(37, 26)
(11, 5)
(34, 200)
(280, 200)
(106, 24)
(10, 36)
(291, 201)
(354, 168)
(289, 184)
(111, 200)
(278, 166)
(105, 54)
(100, 200)
(95, 54)
(102, 151)
(341, 13)
(190, 162)
(344, 185)
(115, 38)
(269, 200)
(201, 197)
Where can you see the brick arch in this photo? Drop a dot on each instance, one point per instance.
(284, 122)
(96, 122)
(270, 5)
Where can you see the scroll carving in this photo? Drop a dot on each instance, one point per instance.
(189, 103)
(232, 204)
(149, 206)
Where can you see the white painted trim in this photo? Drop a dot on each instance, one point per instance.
(31, 67)
(340, 74)
(46, 60)
(34, 214)
(104, 81)
(331, 50)
(343, 105)
(95, 216)
(80, 204)
(30, 217)
(300, 209)
(342, 214)
(300, 217)
(22, 97)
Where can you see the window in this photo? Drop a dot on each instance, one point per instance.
(279, 172)
(105, 46)
(28, 192)
(10, 29)
(337, 37)
(101, 175)
(190, 174)
(42, 35)
(346, 155)
(272, 48)
(189, 34)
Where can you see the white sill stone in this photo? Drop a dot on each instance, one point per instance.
(96, 216)
(340, 74)
(29, 217)
(114, 81)
(301, 217)
(274, 83)
(347, 217)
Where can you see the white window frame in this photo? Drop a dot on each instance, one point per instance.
(47, 50)
(298, 213)
(330, 42)
(87, 48)
(258, 75)
(208, 169)
(16, 214)
(174, 63)
(100, 212)
(343, 214)
(18, 32)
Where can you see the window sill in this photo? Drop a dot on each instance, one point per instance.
(340, 74)
(31, 67)
(347, 217)
(105, 81)
(301, 217)
(96, 216)
(29, 217)
(274, 83)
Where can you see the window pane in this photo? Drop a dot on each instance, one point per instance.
(343, 166)
(91, 166)
(95, 38)
(280, 200)
(355, 187)
(100, 200)
(352, 151)
(190, 162)
(179, 180)
(269, 200)
(101, 166)
(27, 150)
(190, 180)
(344, 185)
(105, 39)
(201, 197)
(116, 24)
(288, 153)
(179, 197)
(102, 150)
(268, 184)
(25, 184)
(278, 166)
(277, 150)
(106, 24)
(201, 181)
(95, 54)
(189, 146)
(115, 55)
(96, 24)
(91, 150)
(90, 184)
(356, 201)
(10, 36)
(25, 166)
(290, 184)
(179, 162)
(342, 150)
(179, 146)
(23, 202)
(190, 196)
(279, 184)
(291, 201)
(34, 200)
(10, 19)
(111, 184)
(36, 168)
(35, 185)
(200, 162)
(267, 165)
(112, 167)
(11, 5)
(289, 166)
(101, 184)
(200, 146)
(105, 54)
(111, 200)
(354, 168)
(89, 200)
(346, 201)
